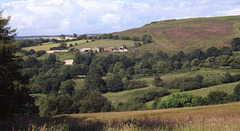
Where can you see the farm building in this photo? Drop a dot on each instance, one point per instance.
(56, 51)
(98, 49)
(85, 49)
(108, 49)
(122, 50)
(68, 62)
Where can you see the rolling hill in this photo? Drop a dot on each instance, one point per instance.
(187, 34)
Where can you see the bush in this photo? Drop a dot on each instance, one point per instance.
(219, 97)
(181, 100)
(95, 102)
(237, 90)
(185, 84)
(53, 105)
(158, 82)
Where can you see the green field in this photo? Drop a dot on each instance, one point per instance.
(83, 44)
(128, 95)
(59, 56)
(204, 118)
(47, 46)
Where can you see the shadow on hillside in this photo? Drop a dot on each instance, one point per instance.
(73, 124)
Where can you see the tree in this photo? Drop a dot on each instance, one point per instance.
(95, 102)
(212, 51)
(114, 83)
(30, 62)
(51, 59)
(75, 35)
(53, 105)
(226, 51)
(158, 81)
(95, 82)
(14, 94)
(62, 36)
(218, 97)
(180, 55)
(118, 67)
(235, 44)
(78, 58)
(67, 87)
(195, 62)
(63, 45)
(197, 53)
(227, 78)
(161, 56)
(147, 39)
(137, 44)
(237, 90)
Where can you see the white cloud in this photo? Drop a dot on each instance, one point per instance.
(233, 12)
(36, 17)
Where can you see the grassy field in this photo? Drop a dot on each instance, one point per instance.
(59, 56)
(83, 44)
(47, 46)
(206, 118)
(127, 95)
(208, 73)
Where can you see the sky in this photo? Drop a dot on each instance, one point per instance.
(55, 17)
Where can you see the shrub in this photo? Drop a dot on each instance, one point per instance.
(218, 97)
(237, 90)
(181, 100)
(95, 102)
(52, 105)
(158, 82)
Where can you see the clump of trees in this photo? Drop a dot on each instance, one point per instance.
(186, 100)
(28, 42)
(65, 104)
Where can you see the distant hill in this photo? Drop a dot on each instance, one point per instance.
(45, 36)
(188, 34)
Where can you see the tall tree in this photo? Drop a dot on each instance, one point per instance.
(75, 35)
(14, 95)
(235, 44)
(62, 36)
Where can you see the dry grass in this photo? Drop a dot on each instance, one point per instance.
(224, 117)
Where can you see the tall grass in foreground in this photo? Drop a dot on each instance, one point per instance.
(225, 117)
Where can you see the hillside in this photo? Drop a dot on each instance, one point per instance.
(188, 34)
(216, 75)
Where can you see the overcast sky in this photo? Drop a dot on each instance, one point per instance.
(54, 17)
